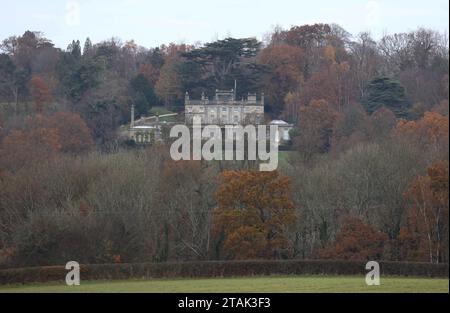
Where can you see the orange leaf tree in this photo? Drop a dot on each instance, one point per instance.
(284, 63)
(25, 147)
(74, 135)
(254, 214)
(42, 137)
(430, 133)
(40, 92)
(425, 236)
(355, 241)
(316, 124)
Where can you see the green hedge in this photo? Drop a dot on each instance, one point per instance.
(219, 269)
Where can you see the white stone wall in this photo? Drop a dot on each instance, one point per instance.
(225, 114)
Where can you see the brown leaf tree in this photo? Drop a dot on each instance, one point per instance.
(40, 92)
(355, 241)
(254, 214)
(425, 236)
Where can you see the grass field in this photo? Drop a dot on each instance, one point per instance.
(248, 284)
(160, 111)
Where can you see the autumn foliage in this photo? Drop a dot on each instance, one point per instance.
(355, 241)
(285, 63)
(253, 215)
(316, 122)
(40, 92)
(425, 236)
(74, 135)
(42, 137)
(369, 140)
(21, 147)
(429, 131)
(333, 75)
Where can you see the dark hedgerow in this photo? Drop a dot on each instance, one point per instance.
(219, 269)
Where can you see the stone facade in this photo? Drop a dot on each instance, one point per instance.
(224, 109)
(145, 130)
(282, 135)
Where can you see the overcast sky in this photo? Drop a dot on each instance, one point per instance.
(152, 23)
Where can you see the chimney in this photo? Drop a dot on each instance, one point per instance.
(132, 116)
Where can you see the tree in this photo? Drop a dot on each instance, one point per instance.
(74, 49)
(386, 92)
(312, 39)
(150, 72)
(73, 133)
(87, 49)
(80, 77)
(155, 56)
(425, 236)
(105, 108)
(43, 137)
(284, 73)
(365, 61)
(353, 126)
(329, 84)
(396, 50)
(145, 96)
(372, 179)
(254, 214)
(40, 92)
(32, 145)
(382, 122)
(186, 195)
(419, 59)
(355, 241)
(169, 87)
(218, 64)
(316, 124)
(12, 79)
(25, 48)
(430, 134)
(7, 69)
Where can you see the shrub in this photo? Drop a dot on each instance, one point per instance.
(219, 269)
(355, 241)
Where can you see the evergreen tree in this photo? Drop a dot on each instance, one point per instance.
(75, 49)
(87, 46)
(218, 64)
(144, 96)
(386, 92)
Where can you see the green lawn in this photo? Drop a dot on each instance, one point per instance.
(160, 111)
(247, 284)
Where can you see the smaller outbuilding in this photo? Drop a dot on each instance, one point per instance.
(282, 135)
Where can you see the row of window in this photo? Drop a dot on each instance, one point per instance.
(212, 119)
(202, 110)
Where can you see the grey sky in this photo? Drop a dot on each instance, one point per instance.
(152, 23)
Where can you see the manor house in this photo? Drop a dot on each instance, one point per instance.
(224, 109)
